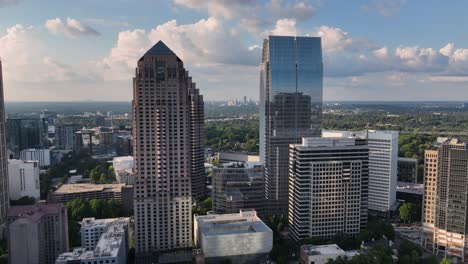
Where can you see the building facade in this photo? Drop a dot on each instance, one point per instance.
(328, 187)
(67, 138)
(23, 179)
(165, 146)
(37, 233)
(240, 237)
(236, 186)
(407, 170)
(383, 166)
(41, 155)
(24, 133)
(68, 192)
(108, 238)
(445, 198)
(4, 195)
(291, 84)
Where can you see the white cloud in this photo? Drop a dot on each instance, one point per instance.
(107, 22)
(284, 27)
(197, 44)
(388, 7)
(71, 28)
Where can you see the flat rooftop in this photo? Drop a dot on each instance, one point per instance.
(88, 187)
(225, 224)
(331, 249)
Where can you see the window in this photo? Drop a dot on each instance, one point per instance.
(160, 71)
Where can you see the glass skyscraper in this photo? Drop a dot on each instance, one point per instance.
(291, 91)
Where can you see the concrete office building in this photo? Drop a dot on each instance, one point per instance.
(241, 237)
(37, 233)
(41, 155)
(68, 192)
(123, 169)
(4, 195)
(328, 187)
(165, 148)
(236, 186)
(446, 198)
(92, 229)
(67, 138)
(291, 87)
(23, 179)
(124, 145)
(109, 238)
(383, 161)
(407, 170)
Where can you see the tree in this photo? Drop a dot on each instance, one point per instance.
(407, 212)
(445, 261)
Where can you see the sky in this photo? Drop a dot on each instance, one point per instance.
(389, 50)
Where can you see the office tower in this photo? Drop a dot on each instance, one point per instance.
(407, 170)
(328, 187)
(238, 185)
(37, 233)
(164, 141)
(24, 133)
(124, 145)
(123, 169)
(383, 161)
(23, 179)
(105, 142)
(291, 84)
(41, 155)
(67, 137)
(4, 196)
(92, 229)
(446, 198)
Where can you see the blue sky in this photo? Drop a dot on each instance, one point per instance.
(373, 49)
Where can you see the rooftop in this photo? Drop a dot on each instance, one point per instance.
(225, 224)
(331, 249)
(160, 48)
(88, 187)
(36, 211)
(411, 188)
(92, 222)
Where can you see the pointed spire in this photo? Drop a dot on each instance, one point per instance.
(160, 48)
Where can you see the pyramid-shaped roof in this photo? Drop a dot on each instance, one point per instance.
(160, 48)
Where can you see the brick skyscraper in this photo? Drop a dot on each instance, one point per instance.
(168, 130)
(4, 197)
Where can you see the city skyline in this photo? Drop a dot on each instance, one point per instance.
(81, 51)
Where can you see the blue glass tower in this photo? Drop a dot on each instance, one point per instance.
(291, 91)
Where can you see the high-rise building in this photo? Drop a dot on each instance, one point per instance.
(24, 133)
(383, 161)
(291, 84)
(4, 196)
(67, 137)
(238, 185)
(328, 187)
(197, 136)
(165, 142)
(37, 233)
(446, 198)
(23, 179)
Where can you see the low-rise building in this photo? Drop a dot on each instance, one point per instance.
(123, 169)
(23, 179)
(41, 155)
(323, 253)
(92, 229)
(68, 192)
(241, 237)
(37, 233)
(111, 246)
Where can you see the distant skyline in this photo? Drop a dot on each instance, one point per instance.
(374, 50)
